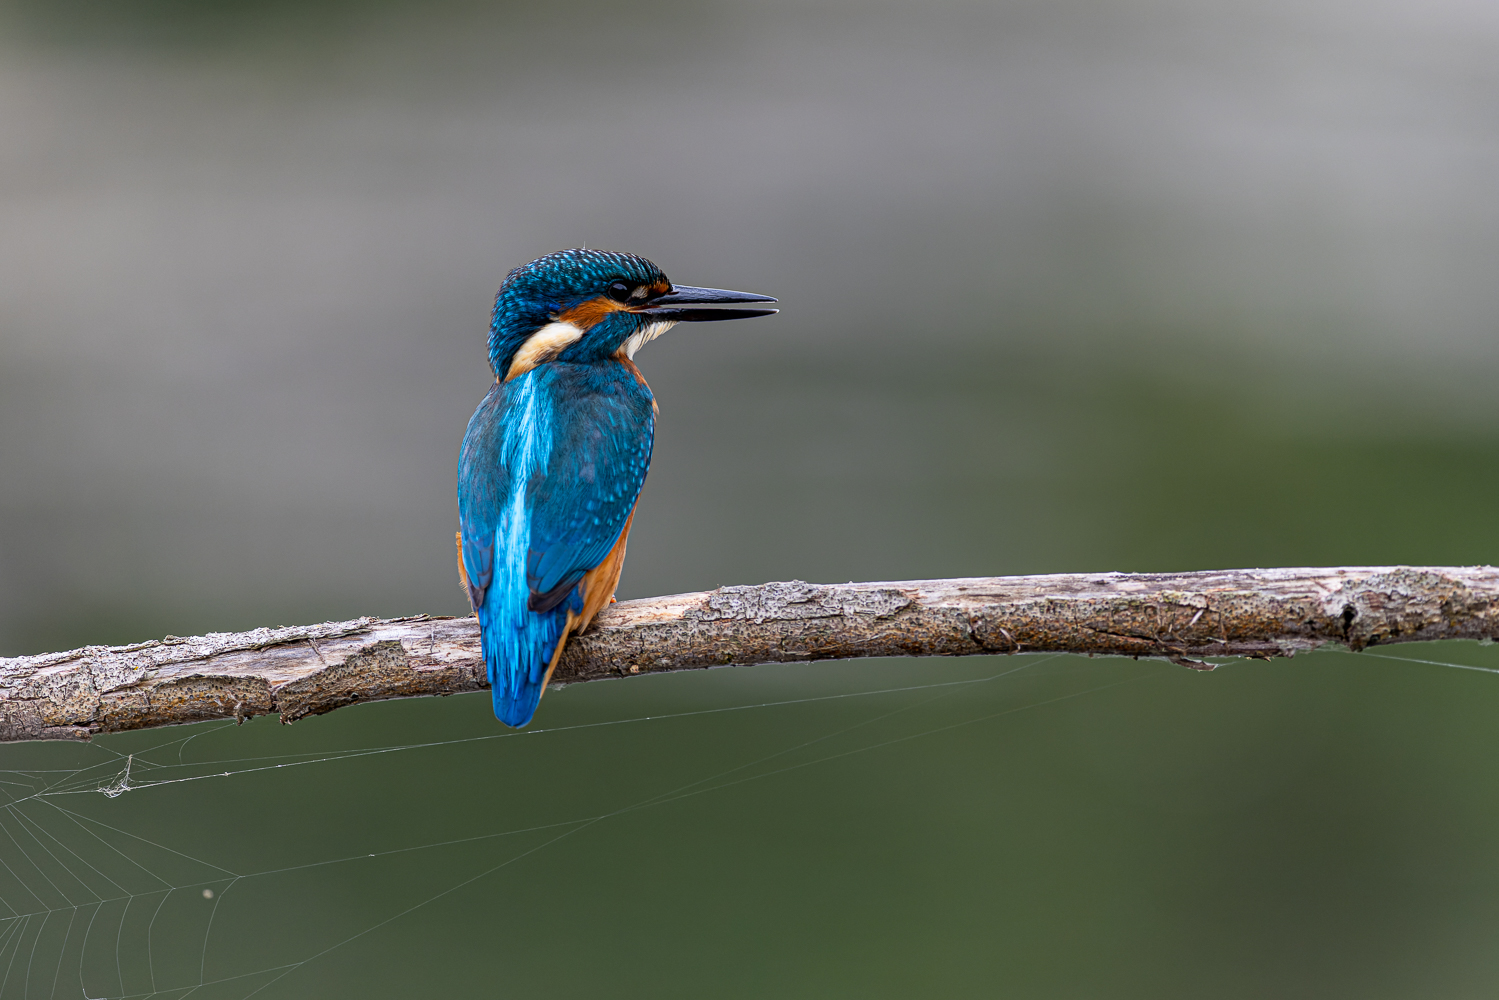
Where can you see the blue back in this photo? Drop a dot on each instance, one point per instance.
(551, 467)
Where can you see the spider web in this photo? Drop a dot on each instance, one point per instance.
(191, 863)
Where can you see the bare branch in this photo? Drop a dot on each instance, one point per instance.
(310, 669)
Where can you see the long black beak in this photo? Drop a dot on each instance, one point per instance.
(666, 307)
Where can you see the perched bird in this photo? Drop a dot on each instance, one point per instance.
(555, 455)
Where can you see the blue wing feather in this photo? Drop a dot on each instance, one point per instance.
(552, 465)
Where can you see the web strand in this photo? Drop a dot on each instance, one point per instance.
(101, 865)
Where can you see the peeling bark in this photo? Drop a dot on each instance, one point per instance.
(307, 670)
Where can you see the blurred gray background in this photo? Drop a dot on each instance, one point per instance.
(1066, 286)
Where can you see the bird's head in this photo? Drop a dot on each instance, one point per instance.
(588, 305)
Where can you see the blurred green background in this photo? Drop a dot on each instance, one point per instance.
(1066, 286)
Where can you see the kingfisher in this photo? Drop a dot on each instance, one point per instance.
(555, 455)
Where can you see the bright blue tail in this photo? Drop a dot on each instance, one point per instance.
(518, 648)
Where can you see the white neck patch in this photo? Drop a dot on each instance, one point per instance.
(543, 345)
(644, 336)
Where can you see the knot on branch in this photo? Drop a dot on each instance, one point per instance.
(1410, 604)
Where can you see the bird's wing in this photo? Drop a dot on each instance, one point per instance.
(600, 453)
(483, 494)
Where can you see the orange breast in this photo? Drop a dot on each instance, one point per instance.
(596, 588)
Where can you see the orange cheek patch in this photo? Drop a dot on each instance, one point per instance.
(587, 314)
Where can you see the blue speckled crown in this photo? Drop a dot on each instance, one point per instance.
(534, 292)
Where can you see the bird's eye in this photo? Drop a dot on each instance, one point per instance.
(619, 291)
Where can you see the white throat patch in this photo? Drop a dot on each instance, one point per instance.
(644, 336)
